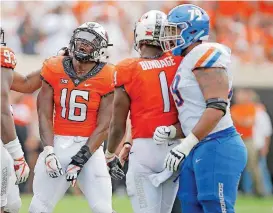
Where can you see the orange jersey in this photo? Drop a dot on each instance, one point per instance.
(8, 59)
(147, 83)
(243, 116)
(76, 99)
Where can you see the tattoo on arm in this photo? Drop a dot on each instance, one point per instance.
(213, 82)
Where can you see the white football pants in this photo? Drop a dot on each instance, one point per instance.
(10, 196)
(94, 179)
(147, 158)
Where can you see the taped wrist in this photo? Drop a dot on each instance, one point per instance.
(188, 143)
(14, 148)
(217, 103)
(127, 143)
(108, 154)
(82, 156)
(48, 150)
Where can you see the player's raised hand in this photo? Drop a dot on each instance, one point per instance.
(180, 152)
(21, 169)
(114, 166)
(53, 165)
(164, 133)
(77, 163)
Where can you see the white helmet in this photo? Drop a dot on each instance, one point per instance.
(89, 42)
(147, 29)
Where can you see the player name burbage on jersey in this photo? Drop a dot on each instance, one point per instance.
(155, 64)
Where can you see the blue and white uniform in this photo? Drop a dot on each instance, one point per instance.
(211, 171)
(186, 91)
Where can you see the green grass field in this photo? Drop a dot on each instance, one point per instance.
(72, 204)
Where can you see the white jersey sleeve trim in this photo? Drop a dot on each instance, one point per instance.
(209, 55)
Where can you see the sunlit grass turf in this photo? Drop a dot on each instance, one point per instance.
(77, 204)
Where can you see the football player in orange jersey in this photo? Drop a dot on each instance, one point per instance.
(74, 108)
(142, 87)
(10, 145)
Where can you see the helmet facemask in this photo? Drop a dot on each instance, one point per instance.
(171, 35)
(87, 45)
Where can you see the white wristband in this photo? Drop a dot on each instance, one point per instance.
(109, 154)
(48, 150)
(14, 148)
(189, 142)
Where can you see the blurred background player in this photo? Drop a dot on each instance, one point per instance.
(142, 86)
(253, 123)
(244, 113)
(213, 153)
(79, 88)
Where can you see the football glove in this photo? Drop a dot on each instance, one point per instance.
(164, 133)
(53, 165)
(114, 166)
(21, 167)
(75, 166)
(176, 156)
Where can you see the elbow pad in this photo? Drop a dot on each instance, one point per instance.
(217, 103)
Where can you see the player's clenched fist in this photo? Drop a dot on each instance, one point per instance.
(180, 152)
(114, 166)
(53, 165)
(20, 165)
(75, 166)
(164, 133)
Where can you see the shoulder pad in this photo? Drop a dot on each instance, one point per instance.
(8, 58)
(55, 63)
(123, 74)
(209, 55)
(128, 62)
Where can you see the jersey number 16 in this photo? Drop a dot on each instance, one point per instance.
(73, 105)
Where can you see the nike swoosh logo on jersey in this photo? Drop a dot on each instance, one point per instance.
(197, 160)
(170, 144)
(131, 153)
(87, 85)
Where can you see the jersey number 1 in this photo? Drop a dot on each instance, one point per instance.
(73, 105)
(165, 91)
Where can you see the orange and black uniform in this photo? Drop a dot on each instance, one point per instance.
(76, 99)
(146, 82)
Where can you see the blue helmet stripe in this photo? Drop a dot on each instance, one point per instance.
(213, 59)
